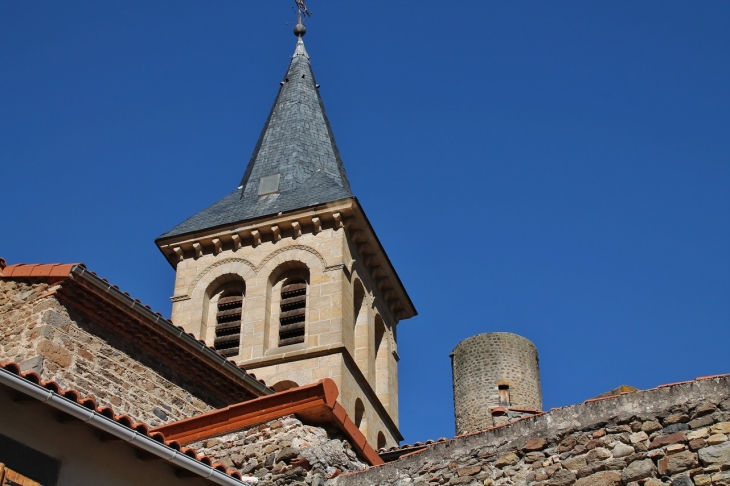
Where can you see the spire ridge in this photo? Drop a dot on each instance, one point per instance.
(295, 163)
(300, 50)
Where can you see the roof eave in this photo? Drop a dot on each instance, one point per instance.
(102, 288)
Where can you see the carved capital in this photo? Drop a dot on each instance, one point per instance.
(357, 236)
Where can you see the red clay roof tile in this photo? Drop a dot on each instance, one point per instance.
(61, 271)
(108, 412)
(314, 404)
(38, 270)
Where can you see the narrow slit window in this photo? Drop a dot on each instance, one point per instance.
(228, 325)
(293, 310)
(504, 395)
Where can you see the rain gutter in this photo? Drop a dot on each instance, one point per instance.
(109, 426)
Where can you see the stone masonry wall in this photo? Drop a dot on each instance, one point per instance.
(63, 345)
(331, 330)
(481, 363)
(283, 451)
(674, 435)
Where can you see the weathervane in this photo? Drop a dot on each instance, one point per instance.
(302, 11)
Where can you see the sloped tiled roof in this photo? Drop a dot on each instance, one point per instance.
(297, 143)
(96, 297)
(314, 404)
(108, 412)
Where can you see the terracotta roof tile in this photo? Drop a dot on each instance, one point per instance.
(123, 419)
(38, 270)
(313, 404)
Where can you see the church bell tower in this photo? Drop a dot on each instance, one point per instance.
(286, 277)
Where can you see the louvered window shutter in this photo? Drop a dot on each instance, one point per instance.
(293, 308)
(228, 327)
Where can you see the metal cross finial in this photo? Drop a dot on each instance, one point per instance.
(302, 9)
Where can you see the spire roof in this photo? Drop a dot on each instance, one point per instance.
(295, 164)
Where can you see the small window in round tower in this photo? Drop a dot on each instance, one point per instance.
(504, 395)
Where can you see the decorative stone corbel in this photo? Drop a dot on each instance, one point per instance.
(371, 260)
(338, 220)
(277, 232)
(388, 295)
(178, 253)
(358, 236)
(198, 249)
(377, 272)
(394, 306)
(317, 224)
(297, 229)
(363, 248)
(217, 246)
(236, 241)
(256, 237)
(351, 224)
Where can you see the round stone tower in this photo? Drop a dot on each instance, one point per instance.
(496, 376)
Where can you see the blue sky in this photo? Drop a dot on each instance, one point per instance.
(560, 170)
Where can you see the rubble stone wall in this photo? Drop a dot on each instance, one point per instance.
(674, 435)
(283, 451)
(63, 345)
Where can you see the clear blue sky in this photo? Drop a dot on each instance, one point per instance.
(560, 170)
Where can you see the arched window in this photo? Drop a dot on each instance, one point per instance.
(228, 323)
(359, 413)
(361, 335)
(381, 441)
(503, 395)
(293, 311)
(382, 365)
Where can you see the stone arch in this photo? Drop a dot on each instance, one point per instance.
(224, 285)
(228, 266)
(380, 347)
(287, 272)
(359, 414)
(361, 328)
(300, 253)
(381, 441)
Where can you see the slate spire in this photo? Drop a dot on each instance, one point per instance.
(295, 163)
